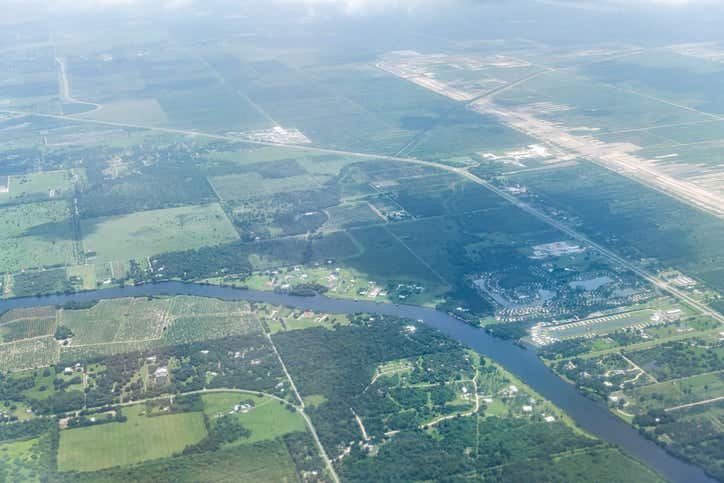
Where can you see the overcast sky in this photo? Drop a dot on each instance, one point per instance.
(369, 6)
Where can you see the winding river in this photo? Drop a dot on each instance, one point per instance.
(590, 415)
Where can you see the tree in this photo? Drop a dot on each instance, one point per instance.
(63, 333)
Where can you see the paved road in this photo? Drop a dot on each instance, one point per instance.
(300, 409)
(698, 403)
(581, 238)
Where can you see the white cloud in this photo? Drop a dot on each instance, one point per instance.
(369, 6)
(376, 6)
(99, 4)
(630, 3)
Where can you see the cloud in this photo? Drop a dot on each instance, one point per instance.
(105, 4)
(377, 6)
(629, 3)
(354, 7)
(370, 6)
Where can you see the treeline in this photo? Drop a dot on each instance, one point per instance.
(203, 262)
(27, 284)
(223, 430)
(509, 331)
(143, 192)
(26, 429)
(114, 416)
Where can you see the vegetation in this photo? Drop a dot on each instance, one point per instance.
(150, 233)
(399, 398)
(308, 167)
(140, 438)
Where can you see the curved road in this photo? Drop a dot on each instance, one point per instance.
(591, 416)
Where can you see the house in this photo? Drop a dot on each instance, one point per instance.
(160, 376)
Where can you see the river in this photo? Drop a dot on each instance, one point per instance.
(590, 415)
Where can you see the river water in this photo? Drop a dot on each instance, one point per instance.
(590, 415)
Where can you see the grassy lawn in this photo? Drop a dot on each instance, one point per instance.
(148, 233)
(139, 439)
(35, 235)
(268, 420)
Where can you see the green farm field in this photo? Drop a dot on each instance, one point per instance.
(116, 326)
(149, 233)
(40, 186)
(27, 328)
(267, 421)
(141, 438)
(266, 462)
(35, 235)
(198, 327)
(116, 320)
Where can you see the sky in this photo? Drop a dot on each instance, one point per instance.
(372, 6)
(646, 22)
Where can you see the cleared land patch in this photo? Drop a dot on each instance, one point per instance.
(247, 185)
(38, 186)
(35, 235)
(149, 233)
(141, 438)
(138, 111)
(267, 419)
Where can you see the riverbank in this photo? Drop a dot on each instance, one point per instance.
(593, 417)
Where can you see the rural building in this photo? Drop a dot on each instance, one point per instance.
(160, 376)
